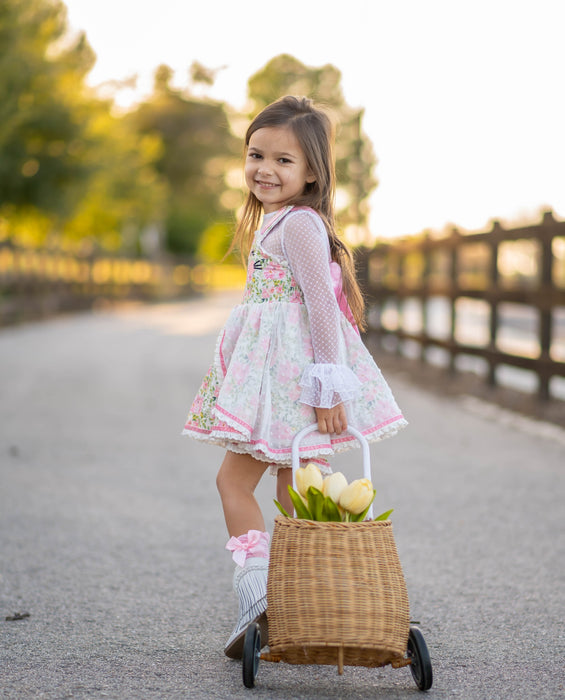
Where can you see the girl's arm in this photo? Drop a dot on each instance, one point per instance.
(327, 383)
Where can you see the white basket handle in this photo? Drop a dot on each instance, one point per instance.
(350, 429)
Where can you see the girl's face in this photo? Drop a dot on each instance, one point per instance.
(275, 167)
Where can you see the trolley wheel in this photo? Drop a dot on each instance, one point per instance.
(251, 654)
(421, 666)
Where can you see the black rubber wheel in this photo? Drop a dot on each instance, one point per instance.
(421, 666)
(251, 653)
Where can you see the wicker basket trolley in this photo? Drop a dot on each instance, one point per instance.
(336, 595)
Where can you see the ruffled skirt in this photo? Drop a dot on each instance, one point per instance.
(249, 402)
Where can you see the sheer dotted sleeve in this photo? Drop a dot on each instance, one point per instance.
(305, 245)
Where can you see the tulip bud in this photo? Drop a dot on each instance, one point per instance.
(357, 496)
(334, 485)
(308, 476)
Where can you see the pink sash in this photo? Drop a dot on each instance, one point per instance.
(335, 272)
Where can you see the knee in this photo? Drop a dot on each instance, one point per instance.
(226, 480)
(222, 481)
(239, 474)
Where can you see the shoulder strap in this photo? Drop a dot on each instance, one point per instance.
(275, 220)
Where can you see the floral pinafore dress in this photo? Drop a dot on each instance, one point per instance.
(249, 402)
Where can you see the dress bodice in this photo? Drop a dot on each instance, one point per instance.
(269, 280)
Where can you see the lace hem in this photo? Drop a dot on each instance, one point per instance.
(264, 453)
(327, 385)
(320, 462)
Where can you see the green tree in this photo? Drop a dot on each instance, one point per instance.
(126, 195)
(198, 149)
(42, 137)
(68, 167)
(355, 157)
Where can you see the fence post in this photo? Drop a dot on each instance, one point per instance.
(426, 271)
(493, 280)
(401, 299)
(454, 286)
(545, 313)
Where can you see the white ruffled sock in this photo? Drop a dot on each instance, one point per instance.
(250, 585)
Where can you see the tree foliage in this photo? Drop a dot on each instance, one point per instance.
(42, 135)
(355, 157)
(68, 168)
(198, 149)
(72, 168)
(126, 196)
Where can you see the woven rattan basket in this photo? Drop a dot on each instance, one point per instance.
(336, 594)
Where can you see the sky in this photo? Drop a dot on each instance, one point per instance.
(464, 99)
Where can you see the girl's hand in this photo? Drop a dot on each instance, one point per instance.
(332, 420)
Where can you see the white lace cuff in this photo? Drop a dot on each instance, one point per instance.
(325, 385)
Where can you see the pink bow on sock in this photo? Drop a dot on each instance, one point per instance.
(255, 543)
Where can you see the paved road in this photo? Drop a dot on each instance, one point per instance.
(111, 535)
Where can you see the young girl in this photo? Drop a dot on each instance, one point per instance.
(291, 353)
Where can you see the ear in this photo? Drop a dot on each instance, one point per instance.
(310, 177)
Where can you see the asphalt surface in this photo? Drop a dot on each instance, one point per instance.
(112, 538)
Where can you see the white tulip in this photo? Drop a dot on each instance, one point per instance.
(308, 476)
(357, 496)
(334, 485)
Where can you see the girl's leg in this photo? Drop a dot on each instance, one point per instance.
(236, 481)
(284, 480)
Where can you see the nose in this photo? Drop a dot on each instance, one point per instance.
(264, 169)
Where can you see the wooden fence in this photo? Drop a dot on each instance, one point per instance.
(489, 272)
(520, 267)
(36, 283)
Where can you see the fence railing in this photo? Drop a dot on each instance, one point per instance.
(35, 283)
(498, 295)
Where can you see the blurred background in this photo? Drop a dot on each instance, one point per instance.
(121, 158)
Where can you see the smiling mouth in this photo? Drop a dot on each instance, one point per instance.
(266, 185)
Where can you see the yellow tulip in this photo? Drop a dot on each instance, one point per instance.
(308, 476)
(334, 485)
(357, 496)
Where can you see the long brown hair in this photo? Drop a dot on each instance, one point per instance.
(314, 131)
